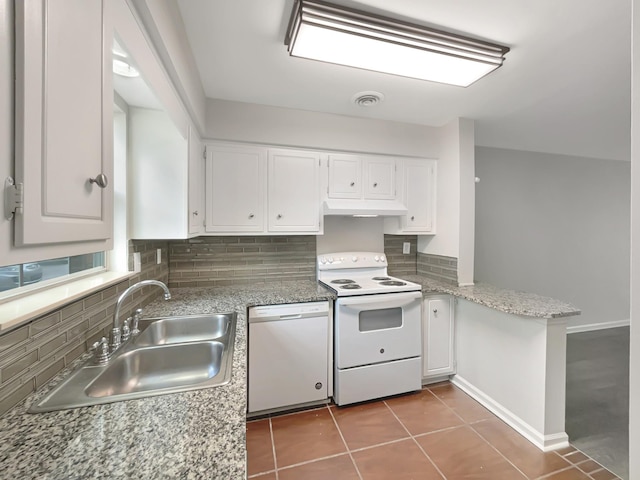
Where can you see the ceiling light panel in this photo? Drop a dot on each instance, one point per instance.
(329, 33)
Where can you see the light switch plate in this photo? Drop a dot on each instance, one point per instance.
(406, 248)
(158, 256)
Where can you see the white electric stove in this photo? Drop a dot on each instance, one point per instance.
(377, 325)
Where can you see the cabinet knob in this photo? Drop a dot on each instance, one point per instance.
(375, 185)
(352, 184)
(279, 216)
(435, 310)
(251, 215)
(195, 213)
(101, 180)
(412, 217)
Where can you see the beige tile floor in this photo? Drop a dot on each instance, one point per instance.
(438, 433)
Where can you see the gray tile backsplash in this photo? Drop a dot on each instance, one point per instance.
(32, 354)
(214, 261)
(438, 267)
(400, 263)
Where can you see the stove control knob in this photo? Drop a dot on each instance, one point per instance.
(322, 260)
(376, 258)
(382, 259)
(330, 259)
(354, 259)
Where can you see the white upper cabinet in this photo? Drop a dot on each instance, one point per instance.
(293, 191)
(379, 178)
(417, 189)
(196, 183)
(159, 167)
(362, 177)
(255, 190)
(63, 121)
(235, 189)
(345, 176)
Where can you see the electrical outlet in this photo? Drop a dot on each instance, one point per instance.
(159, 256)
(406, 248)
(137, 262)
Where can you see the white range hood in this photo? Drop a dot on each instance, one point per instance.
(363, 207)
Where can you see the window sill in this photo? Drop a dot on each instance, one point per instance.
(28, 307)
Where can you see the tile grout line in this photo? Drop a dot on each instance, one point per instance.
(273, 449)
(415, 441)
(499, 452)
(467, 424)
(335, 422)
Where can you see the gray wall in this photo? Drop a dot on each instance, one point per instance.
(557, 226)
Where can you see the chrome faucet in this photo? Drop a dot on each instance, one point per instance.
(116, 336)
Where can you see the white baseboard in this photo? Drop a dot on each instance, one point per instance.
(546, 443)
(598, 326)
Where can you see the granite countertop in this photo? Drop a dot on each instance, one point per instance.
(508, 301)
(191, 435)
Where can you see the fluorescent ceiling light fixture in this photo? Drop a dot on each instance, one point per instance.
(334, 34)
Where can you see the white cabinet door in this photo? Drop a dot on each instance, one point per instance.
(63, 120)
(417, 188)
(345, 176)
(196, 183)
(294, 196)
(379, 178)
(158, 168)
(438, 336)
(235, 189)
(419, 184)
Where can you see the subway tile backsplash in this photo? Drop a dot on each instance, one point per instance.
(216, 261)
(32, 354)
(400, 263)
(438, 267)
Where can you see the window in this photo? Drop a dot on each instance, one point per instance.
(45, 272)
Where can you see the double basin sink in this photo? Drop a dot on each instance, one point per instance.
(170, 355)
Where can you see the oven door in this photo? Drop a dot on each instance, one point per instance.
(371, 329)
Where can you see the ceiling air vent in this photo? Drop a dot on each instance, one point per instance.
(367, 99)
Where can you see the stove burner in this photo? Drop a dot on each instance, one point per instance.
(381, 278)
(351, 286)
(393, 283)
(342, 281)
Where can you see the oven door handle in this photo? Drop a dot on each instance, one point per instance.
(386, 300)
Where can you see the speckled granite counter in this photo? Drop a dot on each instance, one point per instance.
(508, 301)
(191, 435)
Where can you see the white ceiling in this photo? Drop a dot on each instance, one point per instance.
(564, 87)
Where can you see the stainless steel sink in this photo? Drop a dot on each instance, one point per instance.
(159, 368)
(181, 354)
(188, 328)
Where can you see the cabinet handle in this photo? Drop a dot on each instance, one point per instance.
(435, 310)
(352, 184)
(375, 185)
(251, 215)
(412, 218)
(279, 216)
(101, 180)
(195, 213)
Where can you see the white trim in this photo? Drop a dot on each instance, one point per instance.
(546, 443)
(598, 326)
(22, 310)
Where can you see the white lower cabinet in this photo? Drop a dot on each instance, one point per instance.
(438, 352)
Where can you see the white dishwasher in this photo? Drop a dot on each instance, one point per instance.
(290, 355)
